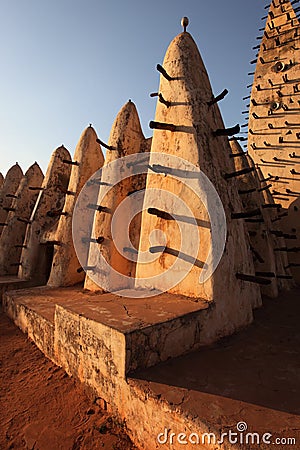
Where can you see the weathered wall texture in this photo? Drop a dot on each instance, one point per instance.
(36, 258)
(1, 181)
(189, 93)
(274, 119)
(89, 158)
(13, 234)
(8, 191)
(78, 344)
(126, 138)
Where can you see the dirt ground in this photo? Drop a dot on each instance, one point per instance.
(41, 408)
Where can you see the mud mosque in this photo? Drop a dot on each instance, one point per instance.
(109, 275)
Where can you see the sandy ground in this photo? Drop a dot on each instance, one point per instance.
(41, 408)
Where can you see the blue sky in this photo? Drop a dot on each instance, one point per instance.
(68, 63)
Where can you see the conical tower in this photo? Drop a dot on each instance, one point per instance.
(261, 232)
(8, 192)
(188, 125)
(12, 237)
(126, 138)
(37, 254)
(273, 222)
(274, 116)
(89, 158)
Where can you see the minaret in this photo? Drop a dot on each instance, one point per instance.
(188, 125)
(37, 254)
(8, 191)
(274, 117)
(273, 140)
(12, 237)
(126, 138)
(89, 158)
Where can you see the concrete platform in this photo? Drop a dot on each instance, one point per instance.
(127, 352)
(144, 331)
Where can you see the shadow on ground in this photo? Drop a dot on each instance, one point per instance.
(260, 365)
